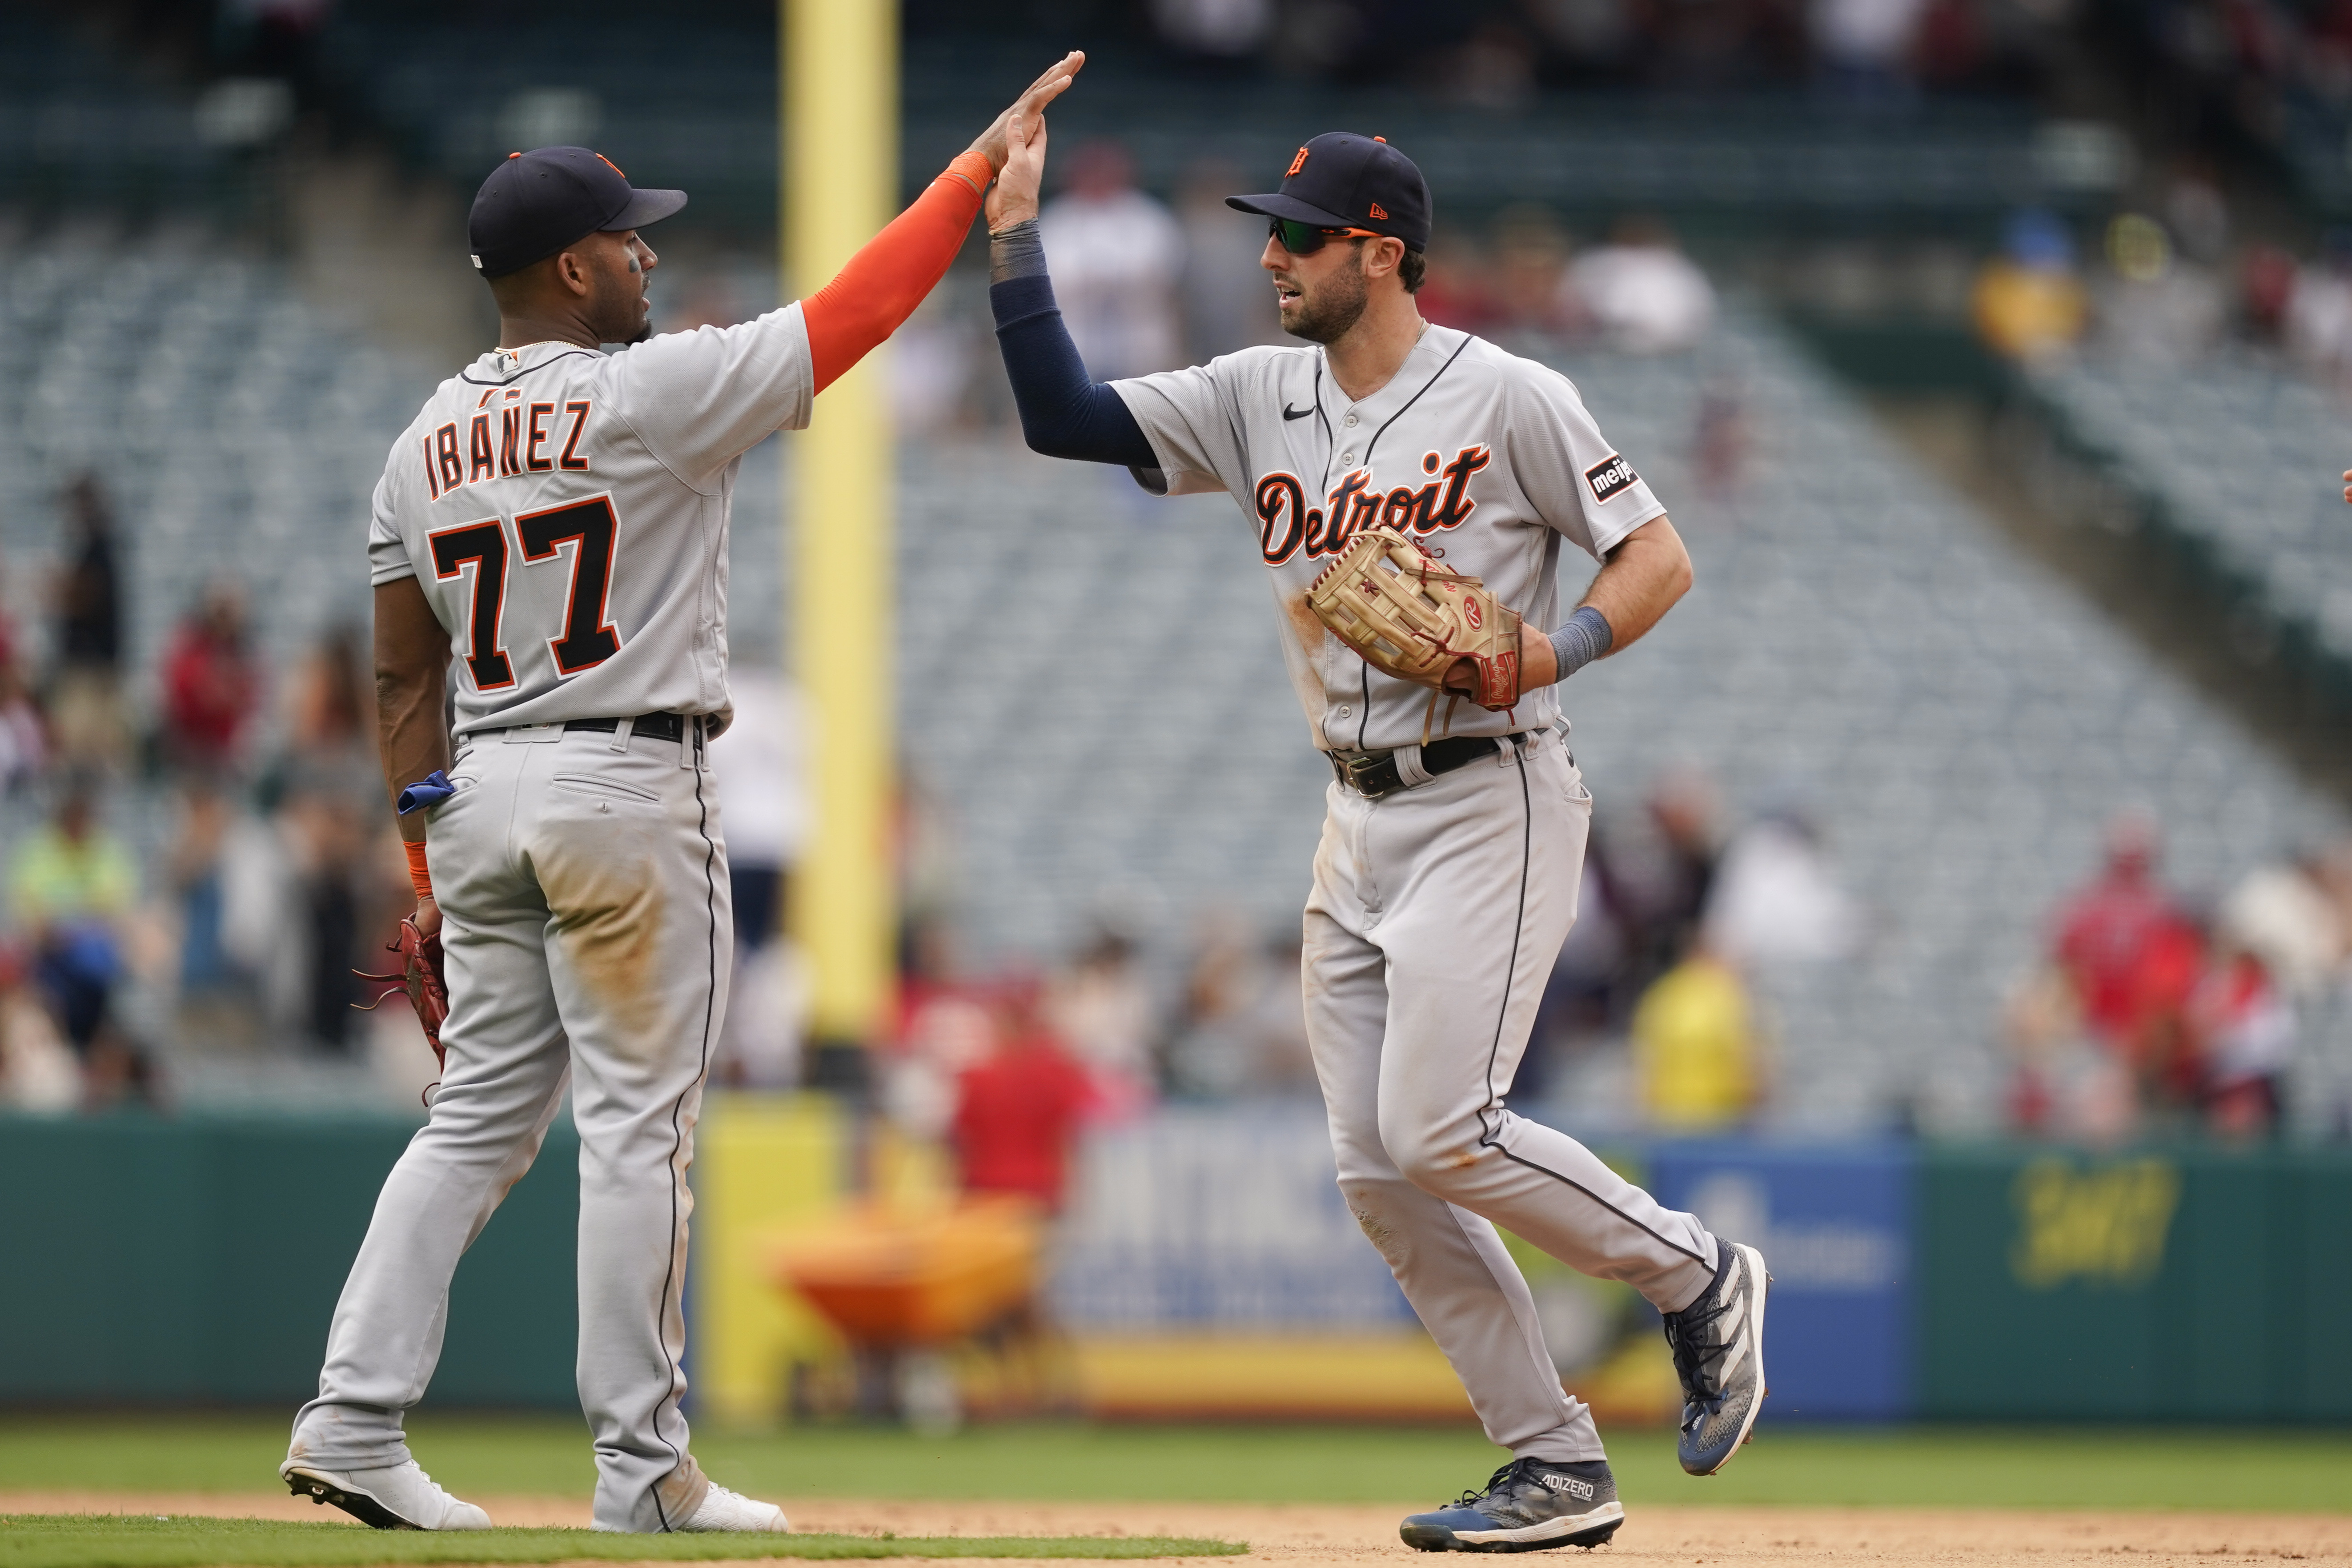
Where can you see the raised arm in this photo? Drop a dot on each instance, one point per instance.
(1064, 411)
(884, 282)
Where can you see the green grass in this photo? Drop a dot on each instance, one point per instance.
(63, 1540)
(2203, 1467)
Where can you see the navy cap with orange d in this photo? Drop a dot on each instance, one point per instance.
(1341, 180)
(536, 202)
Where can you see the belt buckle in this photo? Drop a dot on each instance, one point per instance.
(1360, 767)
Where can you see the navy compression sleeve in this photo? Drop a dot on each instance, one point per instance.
(1062, 413)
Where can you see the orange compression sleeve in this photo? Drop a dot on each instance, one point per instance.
(886, 280)
(418, 877)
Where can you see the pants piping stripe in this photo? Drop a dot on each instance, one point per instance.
(1490, 1136)
(678, 1106)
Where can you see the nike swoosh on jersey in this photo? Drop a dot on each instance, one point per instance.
(1291, 413)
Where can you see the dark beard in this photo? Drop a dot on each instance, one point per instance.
(621, 316)
(1336, 308)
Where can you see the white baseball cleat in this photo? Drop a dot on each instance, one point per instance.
(723, 1510)
(393, 1497)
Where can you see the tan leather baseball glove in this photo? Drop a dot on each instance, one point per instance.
(1395, 603)
(420, 979)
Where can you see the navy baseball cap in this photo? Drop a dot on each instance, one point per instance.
(1341, 180)
(536, 202)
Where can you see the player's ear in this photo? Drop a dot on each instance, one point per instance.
(1383, 256)
(570, 272)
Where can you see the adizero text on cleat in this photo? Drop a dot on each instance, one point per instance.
(1718, 1347)
(1529, 1505)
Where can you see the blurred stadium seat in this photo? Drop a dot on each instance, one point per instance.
(239, 433)
(1861, 642)
(77, 125)
(1958, 721)
(2240, 458)
(693, 103)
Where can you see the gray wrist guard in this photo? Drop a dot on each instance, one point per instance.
(1585, 639)
(1016, 252)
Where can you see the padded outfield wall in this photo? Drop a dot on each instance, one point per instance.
(146, 1261)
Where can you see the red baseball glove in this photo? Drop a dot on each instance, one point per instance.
(419, 980)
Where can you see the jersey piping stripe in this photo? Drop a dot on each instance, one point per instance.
(678, 1106)
(1364, 717)
(1413, 399)
(509, 381)
(1491, 1137)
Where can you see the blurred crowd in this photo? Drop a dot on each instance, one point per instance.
(1680, 913)
(2165, 282)
(233, 925)
(1147, 285)
(1499, 56)
(2151, 1013)
(2241, 70)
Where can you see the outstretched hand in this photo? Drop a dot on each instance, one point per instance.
(1028, 108)
(1014, 198)
(2348, 484)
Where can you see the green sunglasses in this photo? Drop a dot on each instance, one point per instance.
(1305, 238)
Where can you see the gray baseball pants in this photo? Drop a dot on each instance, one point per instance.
(583, 886)
(1436, 914)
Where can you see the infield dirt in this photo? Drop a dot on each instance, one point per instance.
(1321, 1536)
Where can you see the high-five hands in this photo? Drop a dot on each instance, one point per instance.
(1028, 109)
(1020, 138)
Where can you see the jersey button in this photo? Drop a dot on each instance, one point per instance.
(1344, 712)
(1346, 456)
(1349, 420)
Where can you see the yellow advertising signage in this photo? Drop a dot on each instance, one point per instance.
(2102, 1225)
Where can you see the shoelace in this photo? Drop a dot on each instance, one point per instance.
(1493, 1484)
(1694, 1358)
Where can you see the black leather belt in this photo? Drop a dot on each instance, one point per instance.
(668, 727)
(1374, 774)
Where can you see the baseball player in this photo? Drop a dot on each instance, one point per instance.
(556, 520)
(1447, 874)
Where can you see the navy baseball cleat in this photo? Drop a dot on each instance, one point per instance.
(1719, 1345)
(1530, 1504)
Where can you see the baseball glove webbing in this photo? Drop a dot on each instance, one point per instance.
(420, 981)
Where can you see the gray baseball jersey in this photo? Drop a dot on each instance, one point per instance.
(566, 513)
(1437, 909)
(1488, 459)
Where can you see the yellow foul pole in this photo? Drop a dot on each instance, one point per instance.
(839, 79)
